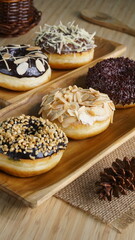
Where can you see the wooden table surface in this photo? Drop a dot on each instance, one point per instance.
(55, 219)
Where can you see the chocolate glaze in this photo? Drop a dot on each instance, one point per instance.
(68, 48)
(20, 51)
(115, 77)
(17, 155)
(31, 127)
(63, 39)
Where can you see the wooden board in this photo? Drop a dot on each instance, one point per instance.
(104, 49)
(33, 191)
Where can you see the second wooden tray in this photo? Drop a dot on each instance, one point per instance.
(33, 191)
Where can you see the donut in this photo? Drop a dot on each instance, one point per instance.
(81, 113)
(23, 67)
(30, 146)
(67, 47)
(116, 78)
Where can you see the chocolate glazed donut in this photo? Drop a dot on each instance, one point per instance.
(115, 77)
(30, 146)
(23, 67)
(67, 47)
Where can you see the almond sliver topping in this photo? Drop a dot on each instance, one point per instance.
(6, 55)
(21, 60)
(22, 68)
(67, 121)
(33, 48)
(56, 115)
(40, 65)
(77, 104)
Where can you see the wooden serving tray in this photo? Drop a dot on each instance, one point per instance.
(104, 49)
(35, 190)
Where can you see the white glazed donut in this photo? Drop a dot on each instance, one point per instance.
(67, 47)
(30, 146)
(81, 113)
(23, 67)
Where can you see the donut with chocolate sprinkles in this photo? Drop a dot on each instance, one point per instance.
(23, 67)
(116, 78)
(30, 146)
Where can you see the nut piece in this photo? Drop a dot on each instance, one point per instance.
(21, 60)
(33, 48)
(22, 68)
(6, 56)
(40, 66)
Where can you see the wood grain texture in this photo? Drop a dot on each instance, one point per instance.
(56, 220)
(105, 20)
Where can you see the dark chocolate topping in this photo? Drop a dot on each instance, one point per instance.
(115, 77)
(67, 48)
(22, 61)
(63, 39)
(28, 137)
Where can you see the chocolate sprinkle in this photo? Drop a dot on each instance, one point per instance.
(115, 77)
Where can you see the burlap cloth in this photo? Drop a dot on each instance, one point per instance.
(81, 193)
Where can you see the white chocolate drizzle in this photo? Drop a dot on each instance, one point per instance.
(71, 37)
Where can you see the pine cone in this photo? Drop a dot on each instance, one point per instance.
(117, 179)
